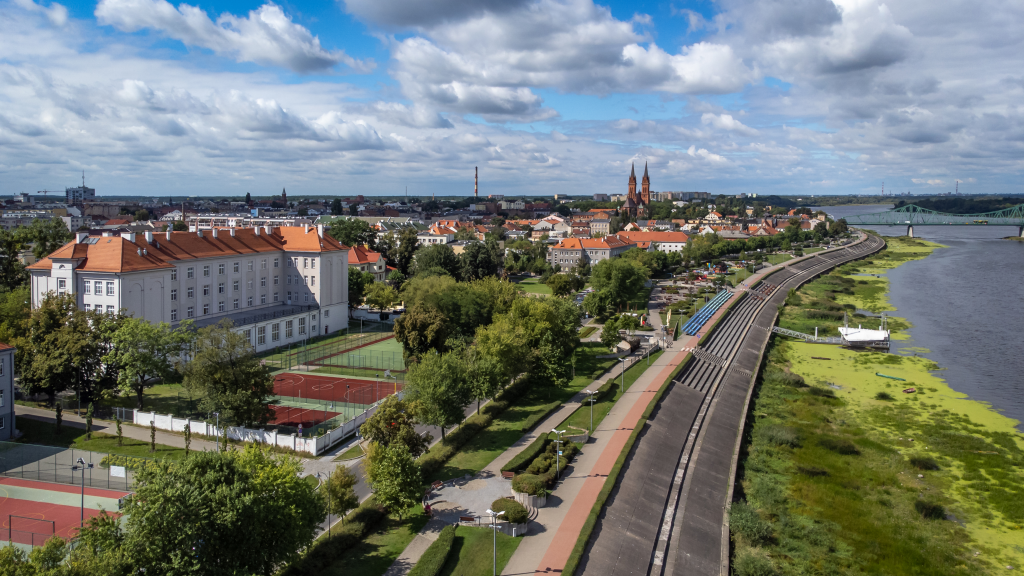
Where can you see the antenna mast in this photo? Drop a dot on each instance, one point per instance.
(476, 181)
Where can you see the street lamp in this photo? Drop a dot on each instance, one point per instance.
(558, 450)
(83, 467)
(494, 528)
(591, 394)
(622, 374)
(217, 414)
(376, 387)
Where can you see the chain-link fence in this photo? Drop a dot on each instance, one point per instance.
(52, 464)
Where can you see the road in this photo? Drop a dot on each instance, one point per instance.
(667, 514)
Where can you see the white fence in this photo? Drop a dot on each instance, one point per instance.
(313, 445)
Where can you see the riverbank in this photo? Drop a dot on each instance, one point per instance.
(843, 470)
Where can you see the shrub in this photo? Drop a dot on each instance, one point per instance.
(745, 521)
(528, 483)
(823, 315)
(838, 445)
(822, 392)
(514, 511)
(528, 454)
(780, 435)
(751, 565)
(326, 550)
(130, 462)
(884, 396)
(930, 510)
(924, 463)
(434, 558)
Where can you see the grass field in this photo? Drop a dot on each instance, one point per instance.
(373, 556)
(44, 433)
(531, 284)
(474, 549)
(355, 451)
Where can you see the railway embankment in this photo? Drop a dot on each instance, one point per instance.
(845, 471)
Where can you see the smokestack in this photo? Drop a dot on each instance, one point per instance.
(476, 181)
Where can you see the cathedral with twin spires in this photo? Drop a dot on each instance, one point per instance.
(636, 204)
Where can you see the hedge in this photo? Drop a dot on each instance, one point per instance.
(541, 473)
(528, 484)
(434, 558)
(327, 549)
(523, 459)
(130, 462)
(515, 512)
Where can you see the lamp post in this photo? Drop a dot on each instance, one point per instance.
(494, 529)
(376, 387)
(622, 374)
(591, 394)
(217, 414)
(83, 467)
(348, 401)
(558, 450)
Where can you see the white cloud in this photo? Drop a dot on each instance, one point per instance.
(266, 36)
(727, 122)
(703, 153)
(928, 181)
(56, 13)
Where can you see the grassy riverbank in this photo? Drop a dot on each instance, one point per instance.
(842, 472)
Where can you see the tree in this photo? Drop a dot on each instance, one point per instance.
(396, 279)
(46, 236)
(387, 246)
(595, 304)
(220, 513)
(564, 210)
(352, 232)
(144, 353)
(438, 390)
(560, 284)
(405, 253)
(339, 491)
(15, 310)
(141, 215)
(357, 284)
(248, 198)
(437, 258)
(12, 271)
(224, 372)
(610, 333)
(381, 296)
(839, 227)
(619, 280)
(629, 323)
(465, 233)
(421, 329)
(394, 477)
(477, 261)
(336, 208)
(483, 374)
(392, 423)
(180, 226)
(353, 209)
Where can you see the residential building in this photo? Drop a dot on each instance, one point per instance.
(600, 225)
(79, 194)
(569, 251)
(662, 241)
(512, 205)
(6, 392)
(367, 260)
(277, 285)
(12, 219)
(244, 220)
(600, 197)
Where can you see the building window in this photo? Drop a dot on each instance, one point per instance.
(191, 312)
(289, 262)
(110, 309)
(248, 336)
(305, 262)
(206, 289)
(220, 288)
(235, 267)
(2, 373)
(277, 262)
(277, 280)
(62, 283)
(234, 286)
(302, 326)
(99, 287)
(206, 309)
(312, 280)
(248, 285)
(248, 301)
(263, 264)
(174, 314)
(87, 307)
(289, 296)
(174, 275)
(305, 280)
(306, 296)
(110, 288)
(190, 272)
(289, 279)
(206, 270)
(277, 296)
(88, 287)
(261, 335)
(250, 265)
(313, 263)
(275, 332)
(235, 303)
(174, 294)
(220, 307)
(220, 268)
(312, 317)
(327, 313)
(263, 298)
(191, 292)
(287, 330)
(263, 281)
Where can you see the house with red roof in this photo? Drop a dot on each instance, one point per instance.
(661, 241)
(366, 260)
(569, 251)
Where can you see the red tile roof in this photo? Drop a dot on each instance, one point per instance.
(594, 243)
(6, 346)
(681, 237)
(362, 255)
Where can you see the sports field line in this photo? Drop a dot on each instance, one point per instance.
(54, 497)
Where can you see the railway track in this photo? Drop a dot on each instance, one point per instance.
(666, 516)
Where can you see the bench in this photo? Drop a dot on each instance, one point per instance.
(437, 485)
(467, 519)
(507, 475)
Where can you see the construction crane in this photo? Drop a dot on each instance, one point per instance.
(45, 192)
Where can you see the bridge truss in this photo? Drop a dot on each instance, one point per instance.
(914, 215)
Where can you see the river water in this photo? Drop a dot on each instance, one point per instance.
(964, 302)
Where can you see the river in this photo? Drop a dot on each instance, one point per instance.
(962, 302)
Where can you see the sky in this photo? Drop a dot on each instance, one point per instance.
(373, 97)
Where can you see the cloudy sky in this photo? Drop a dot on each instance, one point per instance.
(545, 96)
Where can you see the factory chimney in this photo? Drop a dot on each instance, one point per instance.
(476, 181)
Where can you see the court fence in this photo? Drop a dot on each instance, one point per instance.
(30, 532)
(53, 464)
(337, 350)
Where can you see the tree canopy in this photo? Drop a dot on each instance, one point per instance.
(393, 422)
(352, 232)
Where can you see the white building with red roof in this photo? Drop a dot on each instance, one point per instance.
(366, 260)
(661, 241)
(277, 285)
(569, 251)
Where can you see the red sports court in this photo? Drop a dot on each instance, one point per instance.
(333, 388)
(31, 511)
(308, 417)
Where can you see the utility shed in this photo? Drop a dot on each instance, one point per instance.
(864, 338)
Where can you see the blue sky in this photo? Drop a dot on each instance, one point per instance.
(370, 96)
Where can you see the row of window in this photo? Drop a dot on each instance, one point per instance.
(275, 331)
(99, 308)
(221, 289)
(190, 272)
(221, 306)
(88, 287)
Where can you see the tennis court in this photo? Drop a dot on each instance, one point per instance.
(31, 511)
(332, 389)
(294, 416)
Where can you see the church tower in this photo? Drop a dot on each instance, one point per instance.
(632, 183)
(645, 187)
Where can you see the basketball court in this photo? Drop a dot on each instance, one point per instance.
(333, 389)
(31, 511)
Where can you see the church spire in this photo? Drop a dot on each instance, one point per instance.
(632, 173)
(645, 172)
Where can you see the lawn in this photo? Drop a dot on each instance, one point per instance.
(587, 331)
(44, 433)
(581, 418)
(473, 552)
(532, 284)
(532, 407)
(375, 554)
(355, 451)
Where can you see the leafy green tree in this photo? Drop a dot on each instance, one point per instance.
(465, 233)
(15, 310)
(421, 329)
(437, 257)
(381, 296)
(145, 353)
(839, 227)
(220, 513)
(560, 284)
(12, 271)
(629, 323)
(396, 279)
(357, 283)
(484, 374)
(141, 215)
(394, 422)
(438, 389)
(394, 477)
(619, 280)
(405, 253)
(477, 261)
(352, 232)
(46, 236)
(387, 246)
(336, 208)
(610, 333)
(228, 377)
(339, 491)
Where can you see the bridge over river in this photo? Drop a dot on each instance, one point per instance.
(913, 215)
